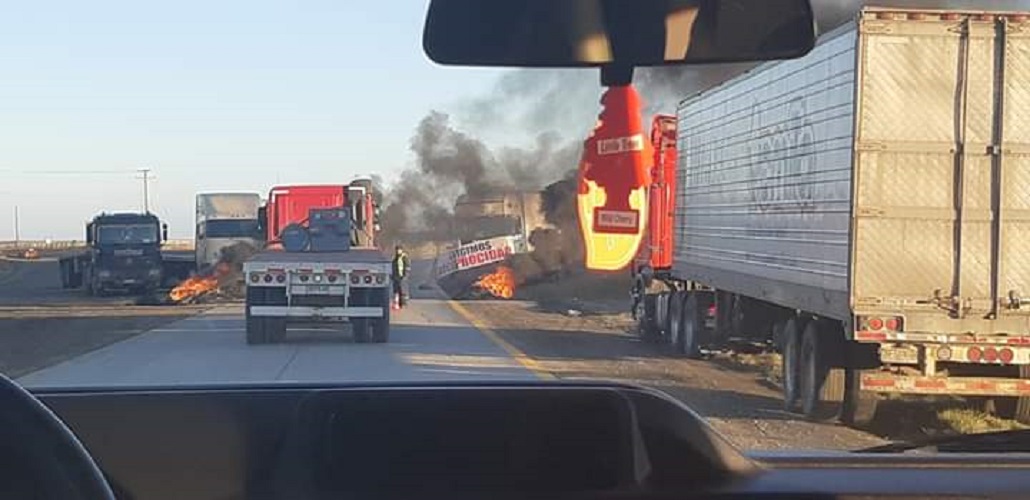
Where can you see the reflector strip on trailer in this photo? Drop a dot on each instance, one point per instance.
(940, 338)
(969, 386)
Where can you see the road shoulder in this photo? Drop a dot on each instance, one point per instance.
(577, 344)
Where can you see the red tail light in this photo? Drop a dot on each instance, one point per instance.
(974, 354)
(990, 355)
(876, 324)
(1006, 355)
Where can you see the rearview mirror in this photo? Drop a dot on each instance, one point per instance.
(627, 33)
(164, 232)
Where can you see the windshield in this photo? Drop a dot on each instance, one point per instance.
(819, 253)
(231, 228)
(127, 234)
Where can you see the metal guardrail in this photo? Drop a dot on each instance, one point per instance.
(173, 244)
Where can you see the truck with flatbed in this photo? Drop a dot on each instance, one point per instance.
(862, 208)
(320, 265)
(123, 254)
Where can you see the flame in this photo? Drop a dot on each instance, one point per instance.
(197, 285)
(500, 283)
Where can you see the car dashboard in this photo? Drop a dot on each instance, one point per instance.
(524, 440)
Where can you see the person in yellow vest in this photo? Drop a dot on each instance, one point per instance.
(401, 267)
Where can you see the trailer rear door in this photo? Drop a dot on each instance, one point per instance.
(942, 184)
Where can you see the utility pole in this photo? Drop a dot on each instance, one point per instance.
(17, 229)
(146, 189)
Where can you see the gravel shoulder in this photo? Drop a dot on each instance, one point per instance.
(593, 343)
(42, 324)
(35, 338)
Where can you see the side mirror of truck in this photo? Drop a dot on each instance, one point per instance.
(89, 233)
(164, 232)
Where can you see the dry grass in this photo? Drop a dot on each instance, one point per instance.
(903, 416)
(971, 421)
(767, 364)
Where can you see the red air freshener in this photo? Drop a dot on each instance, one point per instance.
(613, 182)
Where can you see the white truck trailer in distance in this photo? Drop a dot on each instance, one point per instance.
(223, 220)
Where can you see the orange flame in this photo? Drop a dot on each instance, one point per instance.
(500, 283)
(197, 285)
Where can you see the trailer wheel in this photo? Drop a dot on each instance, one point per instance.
(255, 329)
(822, 385)
(361, 329)
(790, 363)
(859, 408)
(275, 329)
(675, 318)
(644, 313)
(691, 325)
(381, 330)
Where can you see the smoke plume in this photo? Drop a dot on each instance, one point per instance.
(526, 133)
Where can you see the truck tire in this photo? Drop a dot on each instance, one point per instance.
(275, 329)
(790, 363)
(361, 328)
(675, 332)
(692, 325)
(859, 407)
(644, 313)
(381, 330)
(381, 326)
(822, 385)
(255, 329)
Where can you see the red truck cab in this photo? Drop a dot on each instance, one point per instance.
(290, 204)
(656, 252)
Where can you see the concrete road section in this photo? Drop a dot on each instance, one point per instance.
(42, 324)
(429, 342)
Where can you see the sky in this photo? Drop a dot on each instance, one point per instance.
(229, 95)
(235, 95)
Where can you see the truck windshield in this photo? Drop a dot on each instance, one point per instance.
(127, 234)
(233, 228)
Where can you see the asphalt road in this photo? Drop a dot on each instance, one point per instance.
(429, 341)
(68, 339)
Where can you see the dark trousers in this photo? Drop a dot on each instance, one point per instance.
(399, 291)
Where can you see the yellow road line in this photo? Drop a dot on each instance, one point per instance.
(519, 356)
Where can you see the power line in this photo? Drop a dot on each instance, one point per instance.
(65, 172)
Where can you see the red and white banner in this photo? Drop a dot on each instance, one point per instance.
(475, 254)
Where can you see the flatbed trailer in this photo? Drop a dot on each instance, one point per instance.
(285, 287)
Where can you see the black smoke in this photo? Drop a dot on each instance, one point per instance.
(547, 114)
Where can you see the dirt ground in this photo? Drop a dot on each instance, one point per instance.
(580, 327)
(594, 344)
(42, 324)
(32, 338)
